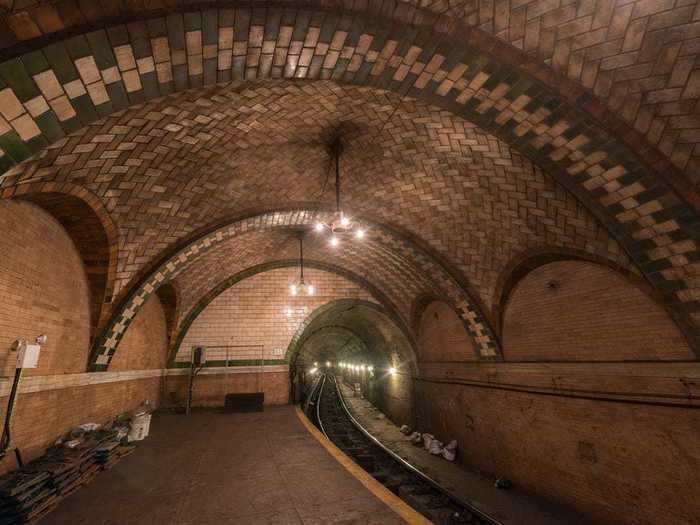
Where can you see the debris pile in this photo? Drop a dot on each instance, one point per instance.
(431, 443)
(32, 491)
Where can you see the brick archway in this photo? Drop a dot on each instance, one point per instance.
(386, 240)
(628, 186)
(191, 316)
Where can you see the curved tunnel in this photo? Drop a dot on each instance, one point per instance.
(358, 334)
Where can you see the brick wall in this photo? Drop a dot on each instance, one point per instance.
(442, 337)
(210, 390)
(145, 344)
(41, 417)
(43, 290)
(616, 440)
(619, 463)
(571, 310)
(260, 311)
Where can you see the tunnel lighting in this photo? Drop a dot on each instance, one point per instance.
(392, 370)
(370, 368)
(313, 370)
(315, 363)
(362, 367)
(334, 241)
(318, 227)
(293, 289)
(360, 234)
(288, 311)
(328, 363)
(310, 290)
(344, 221)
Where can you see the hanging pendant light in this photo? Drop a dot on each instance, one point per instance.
(340, 224)
(301, 287)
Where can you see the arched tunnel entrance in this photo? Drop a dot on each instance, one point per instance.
(362, 343)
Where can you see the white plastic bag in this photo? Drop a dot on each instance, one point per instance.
(435, 447)
(427, 440)
(416, 438)
(450, 451)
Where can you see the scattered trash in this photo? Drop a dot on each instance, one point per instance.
(435, 447)
(450, 451)
(427, 440)
(503, 483)
(89, 427)
(405, 430)
(417, 439)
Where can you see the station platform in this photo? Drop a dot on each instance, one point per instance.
(272, 467)
(215, 468)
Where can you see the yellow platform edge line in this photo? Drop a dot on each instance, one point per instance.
(391, 500)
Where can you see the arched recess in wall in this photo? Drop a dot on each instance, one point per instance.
(95, 237)
(560, 308)
(632, 189)
(441, 335)
(44, 289)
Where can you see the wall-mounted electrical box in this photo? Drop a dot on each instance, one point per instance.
(28, 356)
(199, 355)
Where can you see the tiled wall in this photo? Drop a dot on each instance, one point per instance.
(592, 418)
(43, 290)
(258, 314)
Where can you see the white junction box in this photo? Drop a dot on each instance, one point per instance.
(28, 356)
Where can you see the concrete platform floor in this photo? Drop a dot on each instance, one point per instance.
(212, 468)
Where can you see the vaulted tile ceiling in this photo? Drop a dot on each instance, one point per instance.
(461, 152)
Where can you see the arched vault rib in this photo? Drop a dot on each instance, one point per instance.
(386, 242)
(635, 193)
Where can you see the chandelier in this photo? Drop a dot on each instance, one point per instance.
(339, 225)
(300, 286)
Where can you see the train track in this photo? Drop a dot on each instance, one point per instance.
(328, 411)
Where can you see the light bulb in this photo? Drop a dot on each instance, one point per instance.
(293, 289)
(360, 234)
(370, 368)
(318, 227)
(334, 241)
(344, 221)
(310, 289)
(328, 363)
(288, 312)
(315, 363)
(392, 370)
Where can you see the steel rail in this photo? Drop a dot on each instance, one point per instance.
(471, 508)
